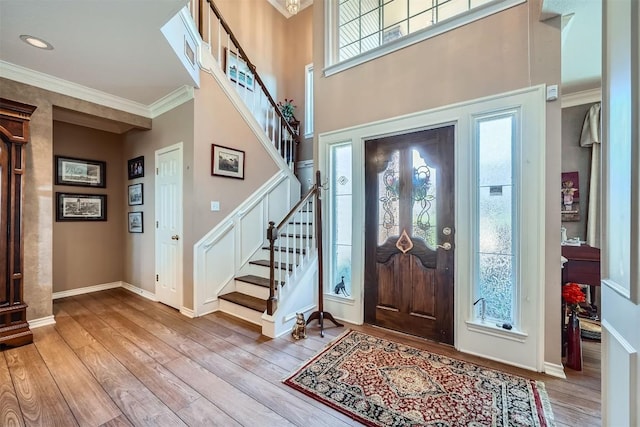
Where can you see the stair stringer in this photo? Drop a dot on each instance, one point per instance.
(210, 65)
(298, 295)
(223, 252)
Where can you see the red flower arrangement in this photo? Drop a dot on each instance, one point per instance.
(572, 295)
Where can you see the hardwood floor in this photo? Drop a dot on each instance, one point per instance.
(116, 359)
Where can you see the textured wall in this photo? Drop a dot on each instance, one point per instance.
(89, 253)
(38, 210)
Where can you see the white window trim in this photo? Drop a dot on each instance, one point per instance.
(308, 101)
(516, 195)
(331, 47)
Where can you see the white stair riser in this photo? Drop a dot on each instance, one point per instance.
(241, 312)
(251, 289)
(258, 270)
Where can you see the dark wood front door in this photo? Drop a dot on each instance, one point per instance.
(409, 233)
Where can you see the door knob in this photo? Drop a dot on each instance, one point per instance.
(175, 237)
(446, 246)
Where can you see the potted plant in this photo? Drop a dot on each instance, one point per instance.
(287, 108)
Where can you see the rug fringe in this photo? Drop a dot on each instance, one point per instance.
(546, 404)
(318, 354)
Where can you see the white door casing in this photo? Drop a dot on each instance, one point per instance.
(620, 263)
(168, 225)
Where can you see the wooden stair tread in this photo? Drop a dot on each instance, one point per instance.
(244, 300)
(256, 280)
(265, 263)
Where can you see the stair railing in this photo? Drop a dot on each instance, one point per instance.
(292, 241)
(242, 74)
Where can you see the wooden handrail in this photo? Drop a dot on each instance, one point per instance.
(252, 67)
(272, 235)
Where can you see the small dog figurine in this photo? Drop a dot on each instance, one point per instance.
(300, 328)
(340, 287)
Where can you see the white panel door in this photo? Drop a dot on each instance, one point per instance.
(169, 225)
(620, 213)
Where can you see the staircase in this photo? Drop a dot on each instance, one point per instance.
(249, 300)
(263, 278)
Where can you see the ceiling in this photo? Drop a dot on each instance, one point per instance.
(115, 46)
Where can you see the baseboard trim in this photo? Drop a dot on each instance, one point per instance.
(43, 321)
(554, 370)
(85, 290)
(187, 312)
(136, 290)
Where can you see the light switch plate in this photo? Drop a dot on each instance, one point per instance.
(215, 206)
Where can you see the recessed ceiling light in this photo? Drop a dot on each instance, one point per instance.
(36, 42)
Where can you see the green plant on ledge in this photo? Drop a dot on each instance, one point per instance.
(287, 108)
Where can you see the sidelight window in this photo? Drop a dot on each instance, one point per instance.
(495, 210)
(340, 199)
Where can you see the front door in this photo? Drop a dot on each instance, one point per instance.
(169, 225)
(409, 233)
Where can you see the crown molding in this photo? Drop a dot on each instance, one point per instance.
(54, 84)
(171, 101)
(583, 97)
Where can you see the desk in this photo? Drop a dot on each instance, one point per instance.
(582, 266)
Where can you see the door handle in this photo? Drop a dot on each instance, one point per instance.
(446, 246)
(175, 237)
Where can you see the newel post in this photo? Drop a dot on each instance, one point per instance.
(272, 235)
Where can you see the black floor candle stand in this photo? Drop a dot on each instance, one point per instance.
(320, 314)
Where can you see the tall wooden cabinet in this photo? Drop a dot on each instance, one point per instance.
(14, 130)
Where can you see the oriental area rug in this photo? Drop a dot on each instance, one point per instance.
(384, 383)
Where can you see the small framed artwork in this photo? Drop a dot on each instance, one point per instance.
(80, 172)
(227, 162)
(570, 196)
(81, 207)
(238, 71)
(135, 194)
(135, 167)
(135, 222)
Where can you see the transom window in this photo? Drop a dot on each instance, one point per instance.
(359, 30)
(366, 24)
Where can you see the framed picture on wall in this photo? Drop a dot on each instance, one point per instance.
(135, 223)
(135, 167)
(80, 172)
(135, 194)
(81, 207)
(238, 71)
(227, 162)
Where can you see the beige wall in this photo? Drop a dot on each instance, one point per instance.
(278, 47)
(139, 248)
(89, 253)
(38, 211)
(506, 51)
(299, 48)
(260, 29)
(209, 119)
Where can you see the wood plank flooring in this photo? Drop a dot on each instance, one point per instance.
(116, 359)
